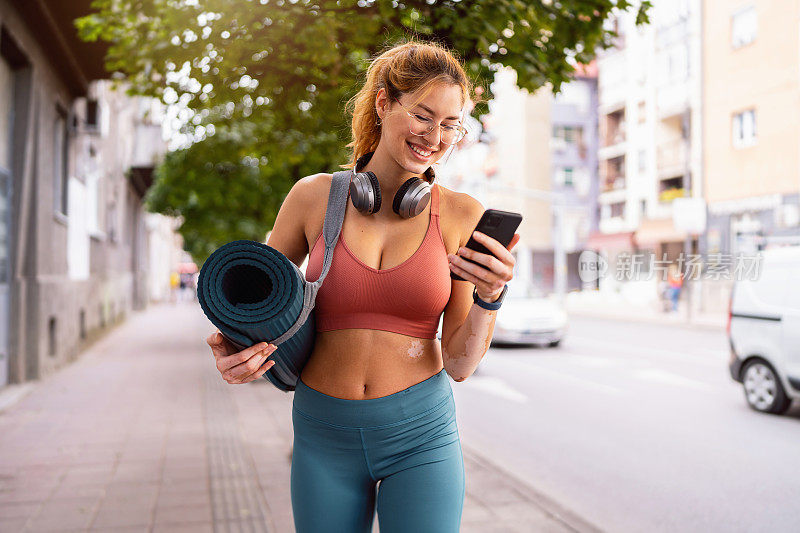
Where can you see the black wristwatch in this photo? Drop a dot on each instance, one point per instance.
(491, 306)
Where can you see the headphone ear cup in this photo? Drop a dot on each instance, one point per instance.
(411, 197)
(365, 192)
(401, 192)
(376, 189)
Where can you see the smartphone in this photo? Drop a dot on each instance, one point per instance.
(497, 224)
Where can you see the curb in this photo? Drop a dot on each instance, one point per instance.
(554, 510)
(13, 393)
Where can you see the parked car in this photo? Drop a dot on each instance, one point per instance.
(764, 332)
(528, 317)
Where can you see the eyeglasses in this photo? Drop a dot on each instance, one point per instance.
(422, 125)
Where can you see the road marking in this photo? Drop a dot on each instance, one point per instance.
(496, 386)
(538, 371)
(594, 361)
(700, 358)
(668, 378)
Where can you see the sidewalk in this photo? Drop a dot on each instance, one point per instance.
(141, 433)
(595, 304)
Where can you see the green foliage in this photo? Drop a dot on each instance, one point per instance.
(271, 78)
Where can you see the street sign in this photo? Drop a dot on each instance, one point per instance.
(689, 214)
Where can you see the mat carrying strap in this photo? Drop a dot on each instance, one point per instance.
(334, 217)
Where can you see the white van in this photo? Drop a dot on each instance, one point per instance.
(764, 331)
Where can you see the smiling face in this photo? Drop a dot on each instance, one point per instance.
(411, 152)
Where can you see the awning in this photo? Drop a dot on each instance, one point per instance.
(653, 231)
(610, 241)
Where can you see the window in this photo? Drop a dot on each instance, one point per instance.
(642, 112)
(618, 209)
(678, 63)
(642, 157)
(743, 27)
(564, 176)
(60, 161)
(567, 175)
(744, 128)
(569, 134)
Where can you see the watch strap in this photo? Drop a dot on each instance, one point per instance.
(491, 306)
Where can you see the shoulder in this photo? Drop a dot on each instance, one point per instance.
(310, 186)
(461, 210)
(310, 192)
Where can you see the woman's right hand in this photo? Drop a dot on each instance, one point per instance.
(240, 367)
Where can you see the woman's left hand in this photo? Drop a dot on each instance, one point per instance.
(499, 269)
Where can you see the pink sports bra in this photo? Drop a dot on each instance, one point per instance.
(408, 298)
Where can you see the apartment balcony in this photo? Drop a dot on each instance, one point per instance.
(612, 134)
(612, 174)
(671, 188)
(667, 195)
(672, 99)
(614, 182)
(612, 130)
(614, 137)
(672, 158)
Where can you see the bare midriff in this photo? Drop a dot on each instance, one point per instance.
(359, 364)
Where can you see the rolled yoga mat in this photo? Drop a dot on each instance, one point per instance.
(252, 293)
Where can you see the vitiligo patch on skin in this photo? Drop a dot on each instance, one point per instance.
(478, 327)
(416, 349)
(478, 341)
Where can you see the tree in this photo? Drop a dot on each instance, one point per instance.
(271, 77)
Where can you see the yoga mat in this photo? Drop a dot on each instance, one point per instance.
(252, 293)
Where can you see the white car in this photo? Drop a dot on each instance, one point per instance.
(764, 331)
(527, 317)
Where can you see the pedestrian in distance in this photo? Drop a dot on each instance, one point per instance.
(174, 283)
(675, 282)
(373, 412)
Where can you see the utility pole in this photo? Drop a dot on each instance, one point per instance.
(687, 186)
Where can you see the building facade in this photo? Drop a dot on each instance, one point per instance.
(519, 125)
(650, 143)
(752, 162)
(574, 167)
(75, 160)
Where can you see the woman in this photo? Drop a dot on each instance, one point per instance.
(373, 412)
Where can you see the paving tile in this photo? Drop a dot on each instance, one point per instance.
(18, 510)
(64, 515)
(24, 495)
(121, 529)
(12, 525)
(134, 491)
(183, 514)
(184, 498)
(207, 527)
(120, 513)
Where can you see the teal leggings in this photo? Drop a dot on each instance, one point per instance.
(401, 451)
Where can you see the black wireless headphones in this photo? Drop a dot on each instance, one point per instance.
(409, 201)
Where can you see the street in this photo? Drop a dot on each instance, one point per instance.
(636, 427)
